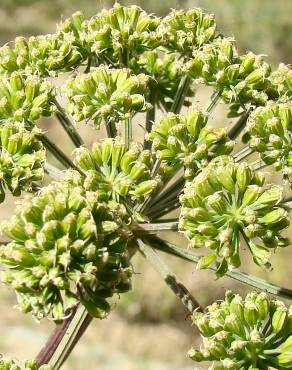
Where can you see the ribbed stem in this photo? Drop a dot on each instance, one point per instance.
(64, 338)
(164, 211)
(213, 102)
(111, 129)
(127, 132)
(159, 226)
(181, 94)
(57, 153)
(150, 118)
(189, 255)
(171, 280)
(68, 125)
(238, 127)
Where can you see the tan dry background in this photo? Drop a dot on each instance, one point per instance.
(148, 329)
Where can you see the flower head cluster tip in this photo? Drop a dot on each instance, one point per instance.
(184, 30)
(245, 334)
(9, 364)
(121, 173)
(106, 95)
(184, 140)
(68, 246)
(25, 98)
(21, 158)
(228, 201)
(242, 81)
(44, 55)
(269, 130)
(121, 33)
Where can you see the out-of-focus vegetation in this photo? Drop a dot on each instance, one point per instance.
(149, 322)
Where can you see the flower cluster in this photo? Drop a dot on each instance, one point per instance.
(9, 364)
(68, 246)
(21, 158)
(226, 201)
(121, 32)
(250, 333)
(185, 30)
(45, 55)
(119, 172)
(106, 94)
(25, 98)
(184, 140)
(241, 81)
(166, 72)
(281, 79)
(269, 130)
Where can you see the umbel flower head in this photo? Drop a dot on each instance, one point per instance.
(121, 33)
(269, 130)
(242, 81)
(24, 98)
(44, 55)
(281, 79)
(9, 364)
(21, 158)
(119, 172)
(245, 334)
(184, 30)
(166, 72)
(227, 201)
(68, 246)
(184, 140)
(105, 94)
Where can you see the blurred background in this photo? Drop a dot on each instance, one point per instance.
(148, 329)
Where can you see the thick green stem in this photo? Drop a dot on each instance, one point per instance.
(214, 100)
(238, 127)
(111, 129)
(181, 94)
(150, 118)
(242, 277)
(171, 280)
(53, 171)
(127, 132)
(243, 153)
(162, 212)
(57, 153)
(258, 164)
(68, 125)
(165, 195)
(64, 338)
(159, 226)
